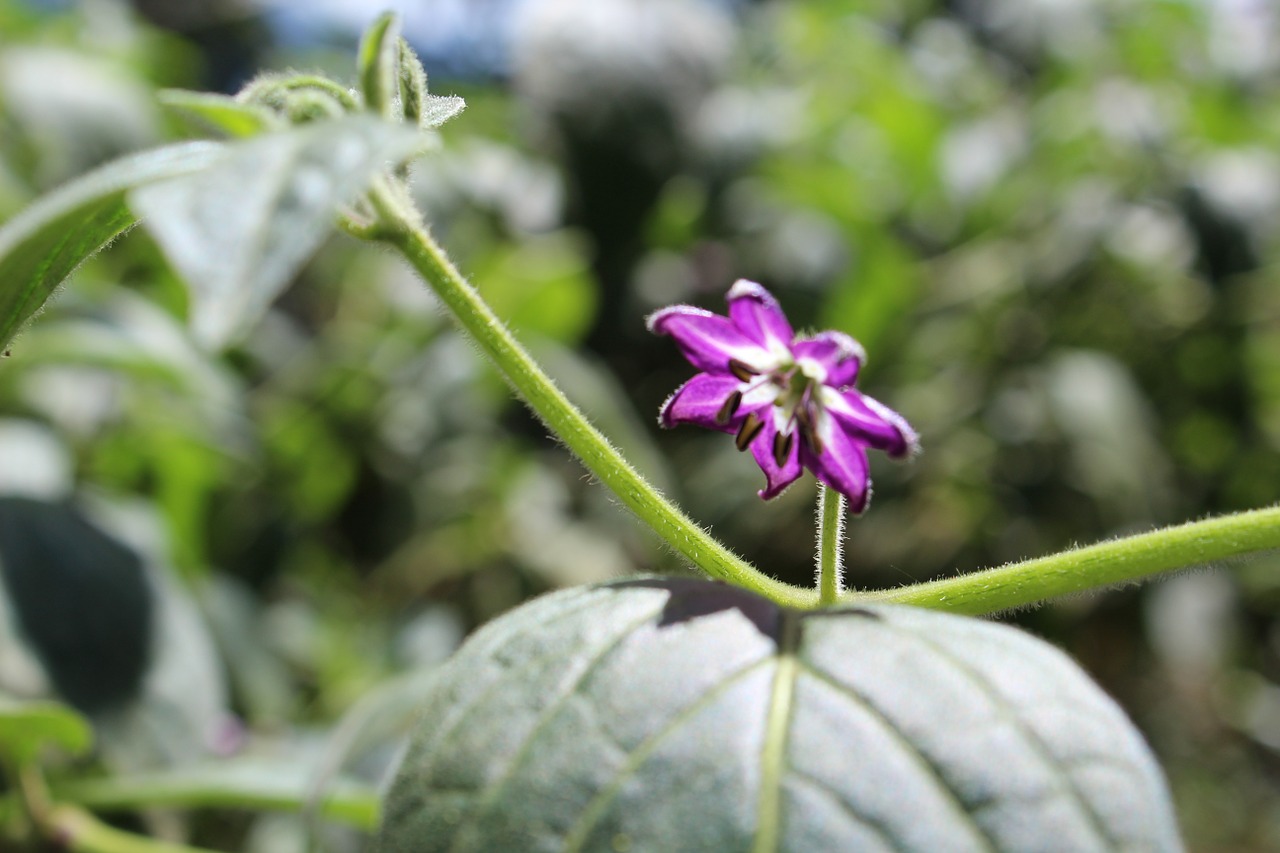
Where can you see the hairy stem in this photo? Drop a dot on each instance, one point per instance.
(400, 228)
(989, 591)
(830, 544)
(1104, 564)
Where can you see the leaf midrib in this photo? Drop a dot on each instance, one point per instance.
(773, 759)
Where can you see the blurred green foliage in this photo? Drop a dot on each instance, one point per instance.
(1052, 225)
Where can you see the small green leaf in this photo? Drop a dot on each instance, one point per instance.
(419, 108)
(42, 245)
(378, 64)
(238, 232)
(219, 113)
(27, 727)
(687, 715)
(437, 109)
(413, 84)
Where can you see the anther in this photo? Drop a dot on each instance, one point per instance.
(741, 370)
(782, 442)
(729, 409)
(748, 431)
(808, 430)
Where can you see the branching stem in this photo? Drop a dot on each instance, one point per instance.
(401, 228)
(1117, 561)
(990, 591)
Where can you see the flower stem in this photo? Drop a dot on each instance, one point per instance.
(830, 545)
(1124, 560)
(399, 226)
(1104, 564)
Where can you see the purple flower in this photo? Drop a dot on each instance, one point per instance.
(790, 400)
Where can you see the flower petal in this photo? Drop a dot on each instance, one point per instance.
(710, 342)
(842, 465)
(757, 314)
(840, 355)
(702, 401)
(870, 422)
(768, 448)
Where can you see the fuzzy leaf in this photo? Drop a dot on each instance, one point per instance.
(437, 109)
(687, 715)
(42, 245)
(378, 63)
(220, 113)
(240, 231)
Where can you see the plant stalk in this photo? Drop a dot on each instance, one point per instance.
(990, 591)
(1117, 561)
(356, 808)
(75, 829)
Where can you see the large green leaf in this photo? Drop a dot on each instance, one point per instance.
(42, 245)
(239, 231)
(687, 715)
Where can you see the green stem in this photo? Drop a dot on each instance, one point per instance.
(74, 829)
(1081, 569)
(989, 591)
(356, 806)
(830, 544)
(401, 229)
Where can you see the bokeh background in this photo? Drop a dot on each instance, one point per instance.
(1054, 225)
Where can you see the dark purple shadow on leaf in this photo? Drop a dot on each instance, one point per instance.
(691, 598)
(843, 611)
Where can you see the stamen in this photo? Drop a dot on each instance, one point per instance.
(808, 429)
(741, 370)
(748, 431)
(730, 408)
(782, 442)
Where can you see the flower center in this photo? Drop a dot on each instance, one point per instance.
(797, 384)
(800, 405)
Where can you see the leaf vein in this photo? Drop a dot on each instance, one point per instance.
(463, 709)
(876, 825)
(594, 810)
(1005, 709)
(544, 719)
(933, 771)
